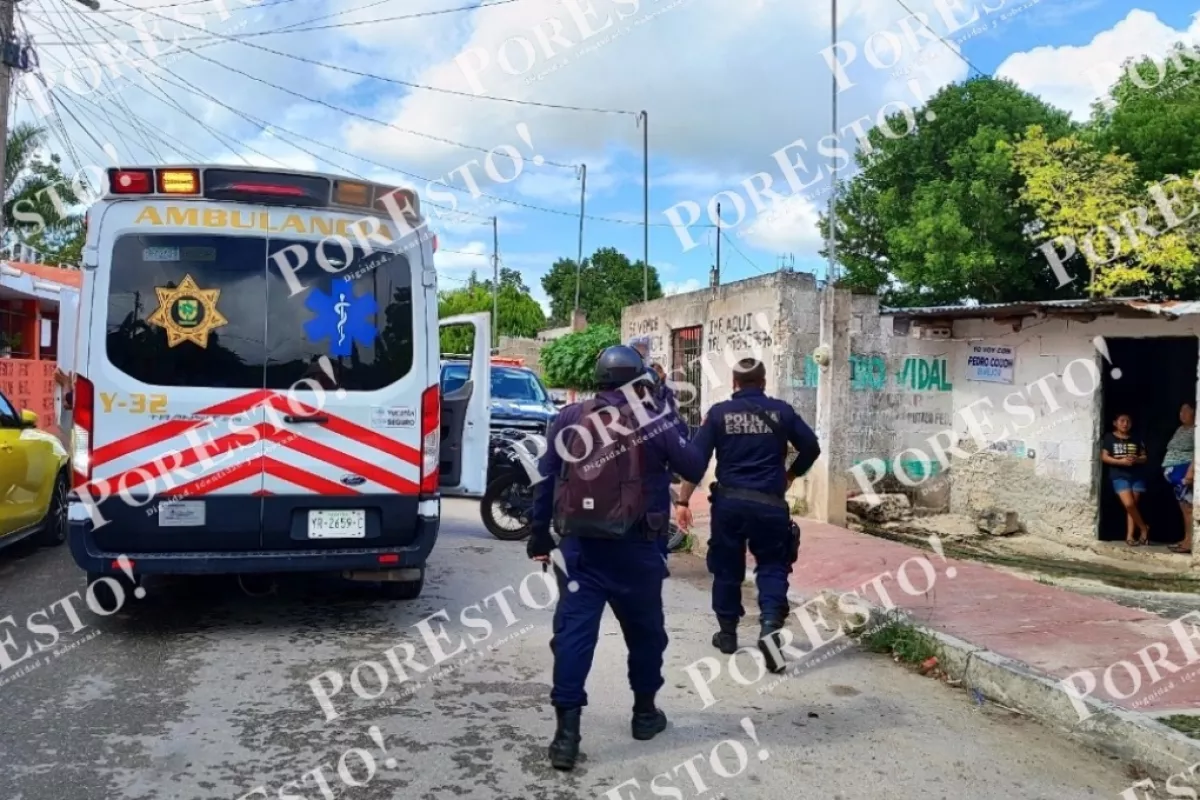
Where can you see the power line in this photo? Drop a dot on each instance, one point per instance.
(385, 79)
(738, 250)
(351, 112)
(107, 80)
(134, 119)
(264, 126)
(215, 37)
(950, 47)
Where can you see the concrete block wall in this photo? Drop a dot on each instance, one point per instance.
(769, 318)
(521, 347)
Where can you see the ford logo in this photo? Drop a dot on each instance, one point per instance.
(354, 480)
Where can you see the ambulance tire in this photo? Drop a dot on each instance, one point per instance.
(404, 590)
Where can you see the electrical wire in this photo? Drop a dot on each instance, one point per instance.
(397, 81)
(738, 250)
(427, 181)
(105, 80)
(359, 115)
(134, 119)
(943, 40)
(295, 29)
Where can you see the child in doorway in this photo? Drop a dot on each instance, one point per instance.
(1125, 456)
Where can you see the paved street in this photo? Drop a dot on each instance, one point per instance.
(203, 693)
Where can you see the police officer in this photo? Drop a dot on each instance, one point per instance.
(610, 554)
(750, 433)
(662, 392)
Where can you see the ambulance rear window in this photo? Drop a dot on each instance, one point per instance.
(217, 311)
(187, 309)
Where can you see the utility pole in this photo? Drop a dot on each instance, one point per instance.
(833, 161)
(717, 275)
(495, 284)
(645, 122)
(8, 34)
(579, 260)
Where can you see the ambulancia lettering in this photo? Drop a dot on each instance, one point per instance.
(266, 221)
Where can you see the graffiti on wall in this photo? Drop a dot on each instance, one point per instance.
(925, 374)
(869, 373)
(649, 327)
(747, 331)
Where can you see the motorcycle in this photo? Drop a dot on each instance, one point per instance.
(509, 493)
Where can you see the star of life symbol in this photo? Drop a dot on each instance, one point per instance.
(341, 308)
(342, 318)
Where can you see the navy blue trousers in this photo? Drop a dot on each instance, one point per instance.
(766, 530)
(628, 576)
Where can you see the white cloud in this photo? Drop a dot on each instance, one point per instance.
(634, 70)
(1072, 77)
(790, 227)
(690, 285)
(709, 132)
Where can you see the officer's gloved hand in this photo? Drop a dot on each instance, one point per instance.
(540, 543)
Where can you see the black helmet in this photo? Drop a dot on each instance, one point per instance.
(617, 366)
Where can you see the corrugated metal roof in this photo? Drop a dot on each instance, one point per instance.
(1113, 305)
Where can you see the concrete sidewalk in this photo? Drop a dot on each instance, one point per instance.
(1055, 632)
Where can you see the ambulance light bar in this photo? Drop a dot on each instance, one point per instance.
(264, 187)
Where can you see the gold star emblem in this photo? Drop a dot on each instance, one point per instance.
(187, 313)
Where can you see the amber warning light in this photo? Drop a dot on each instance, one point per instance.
(179, 181)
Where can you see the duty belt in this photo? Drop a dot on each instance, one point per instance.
(750, 495)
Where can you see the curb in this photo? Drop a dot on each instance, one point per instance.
(1134, 737)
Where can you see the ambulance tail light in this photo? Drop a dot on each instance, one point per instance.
(81, 431)
(131, 181)
(393, 201)
(431, 434)
(349, 193)
(268, 188)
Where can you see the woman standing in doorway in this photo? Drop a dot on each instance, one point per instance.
(1179, 466)
(1125, 456)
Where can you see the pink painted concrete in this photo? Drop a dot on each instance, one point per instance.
(1055, 631)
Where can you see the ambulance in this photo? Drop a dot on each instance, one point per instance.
(256, 380)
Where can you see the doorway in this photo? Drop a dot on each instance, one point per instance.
(1157, 375)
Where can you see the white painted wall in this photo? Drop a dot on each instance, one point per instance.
(1048, 467)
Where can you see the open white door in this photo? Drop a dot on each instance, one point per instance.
(466, 415)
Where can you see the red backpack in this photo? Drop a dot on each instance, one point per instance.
(600, 493)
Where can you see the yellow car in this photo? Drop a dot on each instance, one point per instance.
(34, 480)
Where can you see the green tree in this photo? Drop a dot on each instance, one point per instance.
(1082, 193)
(519, 313)
(1153, 114)
(607, 284)
(936, 216)
(569, 362)
(39, 198)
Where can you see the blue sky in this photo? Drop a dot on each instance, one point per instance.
(724, 91)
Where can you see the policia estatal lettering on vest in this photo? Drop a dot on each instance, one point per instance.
(750, 434)
(599, 489)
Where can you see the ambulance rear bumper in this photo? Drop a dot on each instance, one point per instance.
(92, 558)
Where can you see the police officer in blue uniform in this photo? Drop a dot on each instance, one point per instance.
(662, 392)
(750, 433)
(609, 518)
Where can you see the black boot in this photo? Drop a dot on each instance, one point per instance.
(564, 749)
(769, 643)
(648, 720)
(725, 639)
